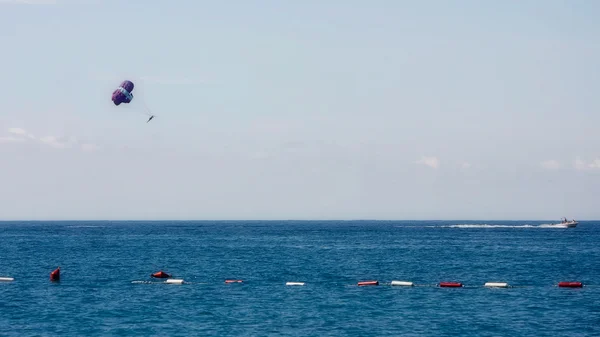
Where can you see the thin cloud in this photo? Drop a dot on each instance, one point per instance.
(21, 135)
(55, 142)
(550, 164)
(432, 162)
(582, 165)
(17, 131)
(11, 139)
(21, 132)
(68, 143)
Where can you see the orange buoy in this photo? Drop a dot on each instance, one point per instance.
(55, 275)
(570, 284)
(368, 283)
(450, 284)
(160, 274)
(233, 281)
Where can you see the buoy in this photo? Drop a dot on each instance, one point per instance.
(570, 284)
(160, 274)
(294, 283)
(368, 283)
(450, 284)
(402, 283)
(233, 281)
(6, 279)
(174, 281)
(496, 284)
(55, 275)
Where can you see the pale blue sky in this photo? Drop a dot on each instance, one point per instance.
(300, 109)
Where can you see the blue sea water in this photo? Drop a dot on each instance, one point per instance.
(99, 260)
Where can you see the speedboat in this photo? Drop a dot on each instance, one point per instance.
(565, 224)
(571, 223)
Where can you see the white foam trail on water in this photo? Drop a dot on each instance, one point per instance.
(489, 226)
(502, 226)
(552, 226)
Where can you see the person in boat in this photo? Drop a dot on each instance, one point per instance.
(149, 119)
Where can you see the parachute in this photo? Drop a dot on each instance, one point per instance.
(123, 93)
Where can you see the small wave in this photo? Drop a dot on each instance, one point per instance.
(83, 226)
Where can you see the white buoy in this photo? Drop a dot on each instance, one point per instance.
(496, 284)
(6, 279)
(294, 283)
(402, 283)
(174, 281)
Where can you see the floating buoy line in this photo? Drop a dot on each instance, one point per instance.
(168, 279)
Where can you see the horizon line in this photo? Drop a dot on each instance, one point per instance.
(271, 220)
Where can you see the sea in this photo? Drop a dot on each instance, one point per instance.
(106, 288)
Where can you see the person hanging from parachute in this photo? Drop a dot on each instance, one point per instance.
(123, 94)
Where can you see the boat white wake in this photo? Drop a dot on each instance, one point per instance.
(569, 224)
(489, 226)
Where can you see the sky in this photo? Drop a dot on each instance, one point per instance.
(338, 109)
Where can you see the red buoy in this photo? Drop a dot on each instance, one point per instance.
(55, 275)
(160, 274)
(451, 284)
(570, 284)
(368, 283)
(233, 281)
